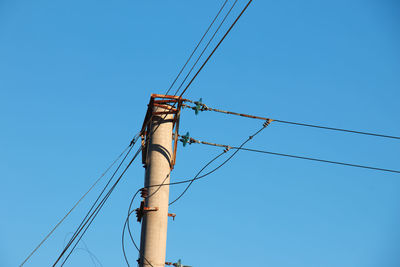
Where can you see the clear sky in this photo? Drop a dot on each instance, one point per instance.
(75, 80)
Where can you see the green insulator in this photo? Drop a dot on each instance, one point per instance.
(199, 105)
(185, 139)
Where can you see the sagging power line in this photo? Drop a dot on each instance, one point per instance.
(190, 140)
(199, 106)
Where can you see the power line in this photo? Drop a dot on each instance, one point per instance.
(228, 159)
(92, 256)
(81, 225)
(203, 107)
(91, 218)
(205, 48)
(103, 201)
(73, 207)
(216, 47)
(197, 46)
(319, 160)
(192, 140)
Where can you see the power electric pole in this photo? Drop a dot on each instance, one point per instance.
(158, 158)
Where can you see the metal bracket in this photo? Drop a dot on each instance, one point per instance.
(167, 102)
(176, 264)
(173, 215)
(142, 210)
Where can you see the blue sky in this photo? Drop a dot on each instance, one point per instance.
(75, 80)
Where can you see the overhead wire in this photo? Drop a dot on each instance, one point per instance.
(197, 46)
(79, 228)
(73, 207)
(296, 156)
(206, 108)
(103, 202)
(216, 47)
(205, 48)
(91, 218)
(228, 159)
(92, 256)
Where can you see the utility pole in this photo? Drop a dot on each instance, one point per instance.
(158, 157)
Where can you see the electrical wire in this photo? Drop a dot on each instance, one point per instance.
(197, 46)
(228, 159)
(91, 218)
(103, 202)
(128, 224)
(130, 233)
(205, 48)
(297, 157)
(204, 107)
(93, 257)
(73, 207)
(319, 160)
(216, 47)
(81, 225)
(338, 129)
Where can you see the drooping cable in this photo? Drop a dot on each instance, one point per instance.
(204, 107)
(228, 159)
(297, 157)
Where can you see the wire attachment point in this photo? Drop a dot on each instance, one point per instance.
(185, 139)
(198, 107)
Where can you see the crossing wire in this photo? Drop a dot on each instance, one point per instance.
(206, 108)
(192, 140)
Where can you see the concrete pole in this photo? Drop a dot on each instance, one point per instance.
(153, 240)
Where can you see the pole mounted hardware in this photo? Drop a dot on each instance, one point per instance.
(172, 105)
(142, 210)
(198, 107)
(185, 139)
(144, 192)
(177, 264)
(173, 215)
